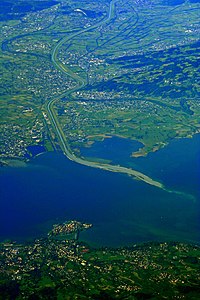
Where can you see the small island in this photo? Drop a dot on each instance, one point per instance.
(69, 228)
(66, 268)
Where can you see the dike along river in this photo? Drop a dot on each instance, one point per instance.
(52, 189)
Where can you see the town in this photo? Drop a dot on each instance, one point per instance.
(58, 267)
(127, 59)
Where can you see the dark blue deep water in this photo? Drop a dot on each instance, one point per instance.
(124, 211)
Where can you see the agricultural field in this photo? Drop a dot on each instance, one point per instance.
(142, 77)
(128, 70)
(54, 268)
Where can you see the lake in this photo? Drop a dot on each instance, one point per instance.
(52, 189)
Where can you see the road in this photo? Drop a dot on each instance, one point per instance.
(65, 146)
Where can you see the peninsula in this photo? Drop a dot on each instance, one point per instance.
(81, 83)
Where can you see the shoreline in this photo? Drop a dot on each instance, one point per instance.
(14, 162)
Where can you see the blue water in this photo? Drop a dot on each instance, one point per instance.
(124, 211)
(116, 149)
(177, 165)
(35, 150)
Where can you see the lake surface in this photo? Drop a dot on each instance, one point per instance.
(177, 165)
(52, 189)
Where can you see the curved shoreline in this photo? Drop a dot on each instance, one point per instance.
(65, 146)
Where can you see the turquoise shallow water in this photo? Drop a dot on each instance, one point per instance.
(124, 211)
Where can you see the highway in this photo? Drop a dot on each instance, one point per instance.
(53, 118)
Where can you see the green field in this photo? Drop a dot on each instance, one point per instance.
(67, 269)
(140, 72)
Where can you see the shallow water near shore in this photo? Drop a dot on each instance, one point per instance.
(181, 156)
(52, 189)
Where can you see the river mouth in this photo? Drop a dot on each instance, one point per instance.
(160, 164)
(123, 211)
